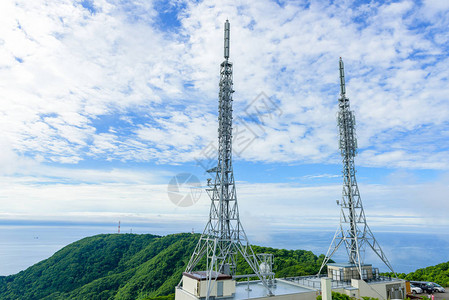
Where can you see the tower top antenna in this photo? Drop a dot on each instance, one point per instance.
(342, 79)
(227, 29)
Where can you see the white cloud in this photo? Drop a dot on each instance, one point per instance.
(64, 68)
(58, 194)
(113, 85)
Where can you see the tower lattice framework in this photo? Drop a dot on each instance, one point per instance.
(224, 237)
(353, 231)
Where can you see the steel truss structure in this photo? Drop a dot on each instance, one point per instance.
(224, 237)
(353, 231)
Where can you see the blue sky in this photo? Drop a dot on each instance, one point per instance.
(103, 102)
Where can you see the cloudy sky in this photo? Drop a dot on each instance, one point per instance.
(103, 102)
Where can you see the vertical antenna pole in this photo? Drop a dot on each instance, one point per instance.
(226, 39)
(342, 79)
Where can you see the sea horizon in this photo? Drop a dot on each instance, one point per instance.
(25, 244)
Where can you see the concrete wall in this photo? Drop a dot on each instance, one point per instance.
(190, 285)
(180, 294)
(203, 288)
(198, 288)
(228, 287)
(326, 290)
(370, 290)
(375, 290)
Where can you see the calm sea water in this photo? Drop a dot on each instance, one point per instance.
(22, 246)
(405, 251)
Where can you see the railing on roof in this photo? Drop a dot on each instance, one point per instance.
(314, 281)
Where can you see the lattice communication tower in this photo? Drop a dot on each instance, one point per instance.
(353, 231)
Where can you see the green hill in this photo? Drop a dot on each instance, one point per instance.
(128, 266)
(438, 274)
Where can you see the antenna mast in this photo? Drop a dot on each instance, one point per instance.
(224, 237)
(353, 231)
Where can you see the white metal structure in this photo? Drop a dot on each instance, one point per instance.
(353, 231)
(223, 237)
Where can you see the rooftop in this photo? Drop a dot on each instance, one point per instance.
(257, 290)
(202, 275)
(347, 265)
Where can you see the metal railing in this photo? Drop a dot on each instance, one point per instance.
(315, 281)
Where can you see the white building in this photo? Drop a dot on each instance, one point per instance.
(194, 287)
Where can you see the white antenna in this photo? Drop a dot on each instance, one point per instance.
(227, 32)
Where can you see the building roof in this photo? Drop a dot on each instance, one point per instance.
(202, 275)
(257, 290)
(347, 265)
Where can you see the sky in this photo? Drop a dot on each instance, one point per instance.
(104, 103)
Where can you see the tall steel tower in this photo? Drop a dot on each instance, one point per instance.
(223, 237)
(354, 232)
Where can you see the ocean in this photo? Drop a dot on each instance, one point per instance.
(21, 246)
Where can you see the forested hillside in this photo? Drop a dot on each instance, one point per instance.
(127, 266)
(438, 274)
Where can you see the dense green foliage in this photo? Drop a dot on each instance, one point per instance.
(168, 297)
(438, 274)
(125, 266)
(339, 296)
(128, 266)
